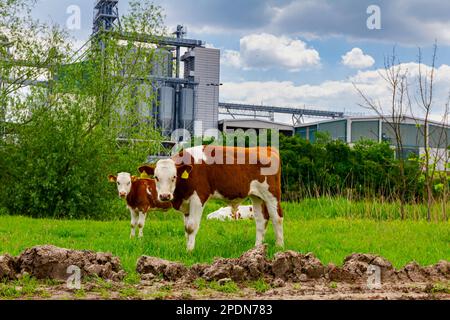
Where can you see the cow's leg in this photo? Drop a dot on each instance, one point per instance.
(141, 223)
(134, 221)
(260, 220)
(192, 220)
(234, 209)
(274, 209)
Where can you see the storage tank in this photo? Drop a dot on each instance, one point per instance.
(144, 106)
(166, 109)
(162, 63)
(186, 114)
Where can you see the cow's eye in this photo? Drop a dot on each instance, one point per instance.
(156, 178)
(128, 183)
(118, 183)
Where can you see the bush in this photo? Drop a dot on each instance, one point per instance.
(4, 211)
(61, 139)
(56, 169)
(330, 168)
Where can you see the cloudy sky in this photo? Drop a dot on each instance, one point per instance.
(303, 52)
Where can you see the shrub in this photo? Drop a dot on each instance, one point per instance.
(62, 139)
(330, 168)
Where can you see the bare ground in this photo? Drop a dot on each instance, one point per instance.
(289, 275)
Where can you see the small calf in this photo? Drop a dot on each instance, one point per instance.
(226, 213)
(140, 195)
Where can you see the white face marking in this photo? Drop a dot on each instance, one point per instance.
(123, 184)
(165, 179)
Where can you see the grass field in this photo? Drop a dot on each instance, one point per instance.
(317, 226)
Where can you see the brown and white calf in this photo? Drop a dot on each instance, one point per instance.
(140, 195)
(195, 175)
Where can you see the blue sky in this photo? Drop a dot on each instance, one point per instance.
(301, 52)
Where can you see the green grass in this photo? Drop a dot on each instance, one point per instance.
(323, 227)
(260, 286)
(340, 207)
(441, 288)
(25, 287)
(227, 287)
(129, 292)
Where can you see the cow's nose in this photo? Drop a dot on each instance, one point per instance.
(164, 197)
(122, 194)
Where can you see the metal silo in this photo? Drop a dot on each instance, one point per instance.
(186, 114)
(162, 63)
(166, 109)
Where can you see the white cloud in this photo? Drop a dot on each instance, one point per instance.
(356, 58)
(266, 51)
(337, 95)
(232, 58)
(210, 46)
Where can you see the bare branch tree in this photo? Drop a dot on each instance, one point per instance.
(433, 156)
(396, 78)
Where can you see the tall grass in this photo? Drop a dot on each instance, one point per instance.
(334, 207)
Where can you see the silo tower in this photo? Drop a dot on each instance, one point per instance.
(106, 15)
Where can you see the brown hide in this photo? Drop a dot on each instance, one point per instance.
(232, 181)
(140, 199)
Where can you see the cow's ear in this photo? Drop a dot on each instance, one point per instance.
(184, 170)
(147, 169)
(134, 178)
(112, 178)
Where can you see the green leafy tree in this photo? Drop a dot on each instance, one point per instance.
(92, 115)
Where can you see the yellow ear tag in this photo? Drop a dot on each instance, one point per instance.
(144, 175)
(185, 175)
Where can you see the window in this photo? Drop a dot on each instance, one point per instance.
(336, 129)
(365, 130)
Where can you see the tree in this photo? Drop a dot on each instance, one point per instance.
(425, 103)
(90, 116)
(396, 79)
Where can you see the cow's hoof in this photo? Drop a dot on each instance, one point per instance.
(279, 245)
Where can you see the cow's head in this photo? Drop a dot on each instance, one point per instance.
(123, 181)
(166, 173)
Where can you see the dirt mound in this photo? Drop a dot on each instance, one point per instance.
(52, 262)
(285, 267)
(252, 265)
(356, 268)
(293, 266)
(415, 273)
(154, 267)
(8, 267)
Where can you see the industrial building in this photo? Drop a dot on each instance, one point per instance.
(202, 66)
(187, 85)
(188, 91)
(231, 125)
(186, 102)
(353, 129)
(190, 101)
